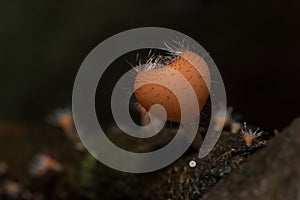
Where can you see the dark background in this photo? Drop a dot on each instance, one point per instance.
(255, 45)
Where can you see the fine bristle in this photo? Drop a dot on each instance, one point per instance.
(172, 52)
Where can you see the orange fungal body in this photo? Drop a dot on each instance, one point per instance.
(151, 93)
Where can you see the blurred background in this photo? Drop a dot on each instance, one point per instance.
(255, 45)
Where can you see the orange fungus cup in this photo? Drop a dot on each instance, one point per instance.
(188, 64)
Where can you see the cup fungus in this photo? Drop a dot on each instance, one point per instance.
(249, 134)
(194, 70)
